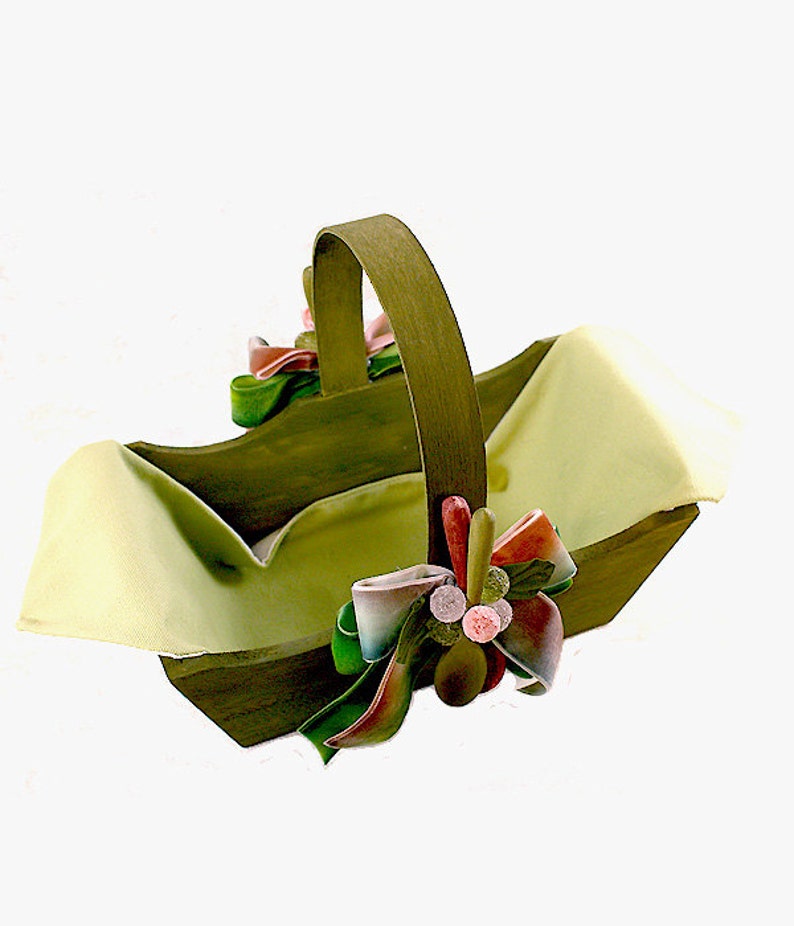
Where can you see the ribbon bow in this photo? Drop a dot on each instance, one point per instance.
(493, 610)
(279, 375)
(264, 360)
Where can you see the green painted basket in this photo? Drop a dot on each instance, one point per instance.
(432, 418)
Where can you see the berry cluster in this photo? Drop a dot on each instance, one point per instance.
(480, 621)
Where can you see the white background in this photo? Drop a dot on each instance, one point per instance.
(163, 171)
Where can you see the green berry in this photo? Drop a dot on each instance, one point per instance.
(496, 585)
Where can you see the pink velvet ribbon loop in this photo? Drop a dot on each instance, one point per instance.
(264, 361)
(381, 604)
(534, 537)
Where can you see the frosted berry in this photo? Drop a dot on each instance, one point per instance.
(481, 623)
(448, 604)
(496, 585)
(505, 611)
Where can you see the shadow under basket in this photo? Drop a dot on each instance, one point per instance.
(324, 445)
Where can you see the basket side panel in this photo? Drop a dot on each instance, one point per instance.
(258, 700)
(255, 697)
(611, 571)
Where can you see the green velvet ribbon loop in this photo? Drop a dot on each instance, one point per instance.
(255, 401)
(345, 644)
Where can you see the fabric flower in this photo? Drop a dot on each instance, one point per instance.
(264, 361)
(491, 611)
(279, 375)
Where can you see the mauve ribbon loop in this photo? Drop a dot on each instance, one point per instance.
(264, 361)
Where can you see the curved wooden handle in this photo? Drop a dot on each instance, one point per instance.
(437, 370)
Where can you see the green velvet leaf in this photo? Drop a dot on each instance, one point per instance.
(345, 645)
(527, 579)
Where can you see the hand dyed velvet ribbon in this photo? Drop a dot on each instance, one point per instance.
(492, 611)
(279, 375)
(264, 361)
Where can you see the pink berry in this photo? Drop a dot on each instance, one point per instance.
(481, 623)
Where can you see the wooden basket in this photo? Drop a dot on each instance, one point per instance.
(258, 481)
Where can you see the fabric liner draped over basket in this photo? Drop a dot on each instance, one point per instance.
(152, 546)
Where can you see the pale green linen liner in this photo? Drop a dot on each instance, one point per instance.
(601, 436)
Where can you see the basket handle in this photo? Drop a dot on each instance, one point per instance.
(436, 367)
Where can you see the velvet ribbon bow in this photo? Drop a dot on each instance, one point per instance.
(264, 361)
(492, 611)
(279, 375)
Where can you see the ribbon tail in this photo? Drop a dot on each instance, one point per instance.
(342, 712)
(385, 714)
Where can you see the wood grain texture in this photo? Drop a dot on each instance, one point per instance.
(258, 695)
(433, 417)
(435, 363)
(323, 445)
(611, 571)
